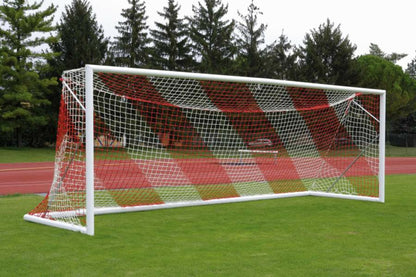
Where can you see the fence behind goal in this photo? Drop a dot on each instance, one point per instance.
(134, 139)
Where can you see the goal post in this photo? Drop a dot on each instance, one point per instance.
(138, 139)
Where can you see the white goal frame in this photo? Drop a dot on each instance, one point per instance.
(91, 211)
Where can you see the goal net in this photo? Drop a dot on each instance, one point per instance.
(134, 139)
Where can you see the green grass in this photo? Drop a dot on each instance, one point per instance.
(306, 236)
(395, 151)
(27, 155)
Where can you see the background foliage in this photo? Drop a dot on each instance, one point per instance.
(33, 54)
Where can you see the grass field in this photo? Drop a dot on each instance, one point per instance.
(307, 236)
(26, 155)
(394, 151)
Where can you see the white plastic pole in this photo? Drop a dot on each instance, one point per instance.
(89, 148)
(344, 196)
(382, 147)
(227, 78)
(110, 210)
(55, 223)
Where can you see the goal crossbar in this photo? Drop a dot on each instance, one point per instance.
(226, 78)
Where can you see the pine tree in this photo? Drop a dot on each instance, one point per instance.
(394, 57)
(131, 48)
(211, 34)
(280, 60)
(327, 56)
(171, 46)
(249, 41)
(411, 68)
(82, 40)
(22, 91)
(375, 50)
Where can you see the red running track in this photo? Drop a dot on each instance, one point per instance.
(37, 177)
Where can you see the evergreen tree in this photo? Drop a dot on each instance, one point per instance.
(411, 68)
(327, 56)
(394, 57)
(22, 91)
(280, 60)
(82, 40)
(249, 41)
(375, 50)
(130, 48)
(211, 35)
(171, 46)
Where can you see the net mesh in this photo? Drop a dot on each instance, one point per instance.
(162, 140)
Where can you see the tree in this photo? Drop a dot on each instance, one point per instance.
(130, 48)
(249, 41)
(327, 56)
(22, 91)
(81, 39)
(393, 57)
(280, 59)
(171, 45)
(411, 68)
(377, 72)
(211, 35)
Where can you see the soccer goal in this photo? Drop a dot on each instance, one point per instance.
(136, 139)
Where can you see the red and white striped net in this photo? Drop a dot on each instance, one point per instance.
(164, 140)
